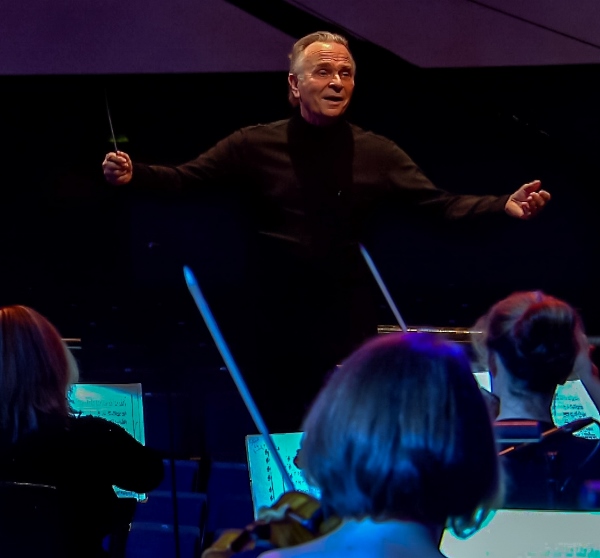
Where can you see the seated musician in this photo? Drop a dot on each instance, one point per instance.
(531, 343)
(42, 442)
(399, 443)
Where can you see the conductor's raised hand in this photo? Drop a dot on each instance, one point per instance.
(117, 168)
(527, 201)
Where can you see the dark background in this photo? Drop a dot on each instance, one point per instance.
(104, 264)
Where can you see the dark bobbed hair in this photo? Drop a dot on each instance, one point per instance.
(36, 369)
(297, 55)
(401, 431)
(535, 337)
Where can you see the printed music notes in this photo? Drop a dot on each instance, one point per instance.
(266, 482)
(118, 403)
(572, 402)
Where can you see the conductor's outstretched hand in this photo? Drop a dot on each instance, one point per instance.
(117, 168)
(527, 201)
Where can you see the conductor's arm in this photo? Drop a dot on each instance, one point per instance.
(117, 168)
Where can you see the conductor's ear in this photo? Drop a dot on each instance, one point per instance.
(293, 81)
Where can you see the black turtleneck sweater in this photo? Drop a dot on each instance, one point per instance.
(315, 186)
(311, 192)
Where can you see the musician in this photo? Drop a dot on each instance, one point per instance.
(531, 343)
(400, 445)
(311, 184)
(42, 442)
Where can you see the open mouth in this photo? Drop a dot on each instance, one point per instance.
(334, 99)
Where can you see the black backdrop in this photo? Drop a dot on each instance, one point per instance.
(105, 265)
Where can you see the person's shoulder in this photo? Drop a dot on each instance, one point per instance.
(258, 138)
(277, 126)
(582, 443)
(256, 135)
(93, 431)
(88, 424)
(88, 421)
(312, 550)
(365, 138)
(306, 549)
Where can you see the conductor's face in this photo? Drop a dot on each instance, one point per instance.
(324, 82)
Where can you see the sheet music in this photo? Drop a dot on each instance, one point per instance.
(572, 402)
(119, 403)
(266, 482)
(529, 534)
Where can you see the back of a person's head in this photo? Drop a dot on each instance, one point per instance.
(35, 371)
(535, 337)
(401, 431)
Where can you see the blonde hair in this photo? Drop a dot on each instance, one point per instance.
(36, 369)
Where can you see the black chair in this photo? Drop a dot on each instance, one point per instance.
(31, 521)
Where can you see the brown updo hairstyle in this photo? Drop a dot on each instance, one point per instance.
(535, 337)
(36, 369)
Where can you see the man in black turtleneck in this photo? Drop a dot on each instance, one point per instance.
(311, 183)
